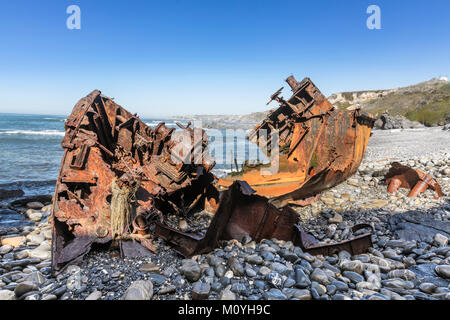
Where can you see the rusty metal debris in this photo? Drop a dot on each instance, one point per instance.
(120, 179)
(243, 213)
(107, 146)
(319, 146)
(401, 176)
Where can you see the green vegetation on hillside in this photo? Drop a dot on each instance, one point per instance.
(427, 102)
(342, 105)
(437, 112)
(348, 96)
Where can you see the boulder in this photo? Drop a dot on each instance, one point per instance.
(14, 241)
(395, 122)
(190, 269)
(6, 295)
(42, 252)
(35, 205)
(139, 290)
(8, 194)
(96, 295)
(33, 215)
(25, 287)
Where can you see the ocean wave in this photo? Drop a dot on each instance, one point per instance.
(55, 119)
(220, 172)
(27, 184)
(155, 123)
(32, 132)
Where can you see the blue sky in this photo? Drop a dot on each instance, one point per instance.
(211, 57)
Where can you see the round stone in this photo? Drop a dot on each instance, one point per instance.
(191, 269)
(139, 290)
(24, 287)
(320, 276)
(443, 271)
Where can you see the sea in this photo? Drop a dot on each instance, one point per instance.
(31, 152)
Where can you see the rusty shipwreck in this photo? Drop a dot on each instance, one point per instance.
(119, 179)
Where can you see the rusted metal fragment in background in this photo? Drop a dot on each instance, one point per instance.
(243, 213)
(319, 146)
(104, 143)
(401, 176)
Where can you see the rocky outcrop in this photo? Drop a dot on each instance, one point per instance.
(386, 122)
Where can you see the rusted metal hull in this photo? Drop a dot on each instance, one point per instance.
(105, 144)
(320, 146)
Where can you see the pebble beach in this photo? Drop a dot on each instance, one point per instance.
(399, 266)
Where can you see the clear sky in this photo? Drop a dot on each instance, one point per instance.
(211, 57)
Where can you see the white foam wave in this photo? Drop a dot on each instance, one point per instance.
(56, 119)
(31, 132)
(155, 123)
(221, 172)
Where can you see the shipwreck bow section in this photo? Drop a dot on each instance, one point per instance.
(319, 146)
(117, 175)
